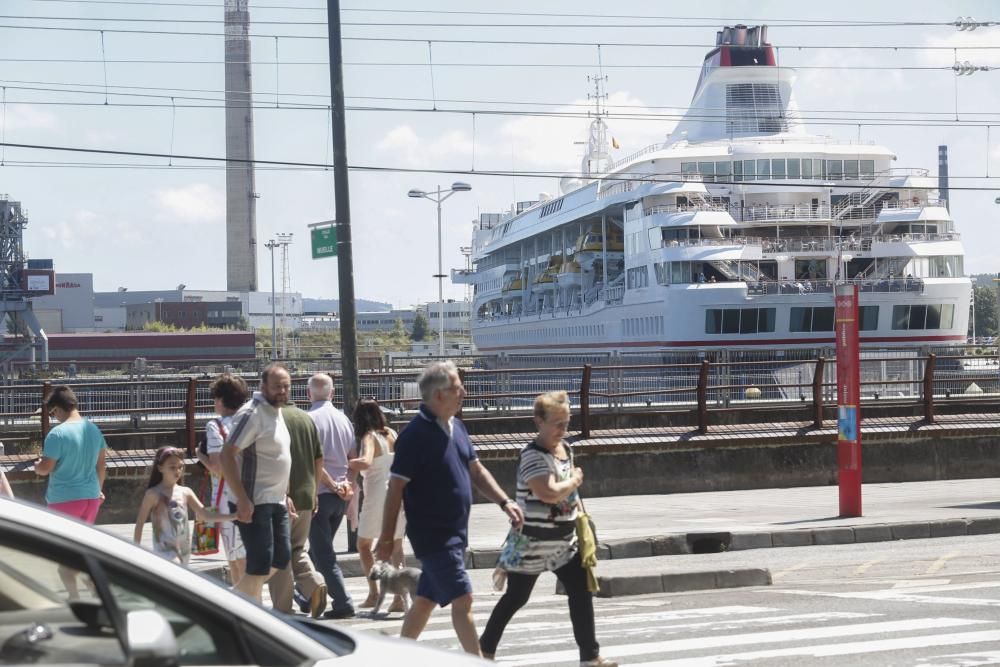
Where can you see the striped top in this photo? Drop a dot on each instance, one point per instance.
(548, 539)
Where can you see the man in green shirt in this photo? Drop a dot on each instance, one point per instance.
(307, 472)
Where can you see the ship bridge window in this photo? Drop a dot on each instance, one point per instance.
(935, 316)
(945, 267)
(638, 277)
(739, 320)
(763, 170)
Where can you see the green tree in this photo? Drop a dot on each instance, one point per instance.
(398, 330)
(420, 327)
(985, 299)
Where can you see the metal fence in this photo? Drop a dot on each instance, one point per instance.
(703, 381)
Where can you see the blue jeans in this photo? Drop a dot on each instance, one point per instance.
(325, 523)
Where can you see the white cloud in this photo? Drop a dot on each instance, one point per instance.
(966, 43)
(412, 150)
(27, 117)
(198, 202)
(552, 143)
(526, 142)
(83, 226)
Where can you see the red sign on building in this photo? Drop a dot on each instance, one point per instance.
(848, 400)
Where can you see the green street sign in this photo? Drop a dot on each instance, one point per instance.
(324, 242)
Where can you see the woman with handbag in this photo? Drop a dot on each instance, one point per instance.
(547, 483)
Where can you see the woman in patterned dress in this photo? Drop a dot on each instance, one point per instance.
(547, 483)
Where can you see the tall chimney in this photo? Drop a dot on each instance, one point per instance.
(943, 175)
(241, 197)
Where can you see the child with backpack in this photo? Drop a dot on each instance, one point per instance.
(167, 502)
(229, 392)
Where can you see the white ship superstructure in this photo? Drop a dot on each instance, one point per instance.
(730, 234)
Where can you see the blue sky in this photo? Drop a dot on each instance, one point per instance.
(154, 226)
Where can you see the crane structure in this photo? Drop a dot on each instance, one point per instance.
(20, 280)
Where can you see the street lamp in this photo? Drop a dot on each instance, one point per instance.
(271, 245)
(438, 196)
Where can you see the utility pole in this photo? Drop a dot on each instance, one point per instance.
(345, 263)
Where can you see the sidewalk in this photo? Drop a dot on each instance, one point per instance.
(642, 526)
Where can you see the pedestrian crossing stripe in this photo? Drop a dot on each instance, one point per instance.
(745, 639)
(734, 619)
(841, 649)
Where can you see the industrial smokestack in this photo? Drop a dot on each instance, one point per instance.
(943, 175)
(241, 196)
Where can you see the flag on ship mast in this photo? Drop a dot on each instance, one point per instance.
(614, 143)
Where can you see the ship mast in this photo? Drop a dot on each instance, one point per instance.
(596, 159)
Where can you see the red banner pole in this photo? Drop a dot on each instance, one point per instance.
(848, 400)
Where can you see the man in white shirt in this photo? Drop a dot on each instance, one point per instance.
(256, 463)
(336, 436)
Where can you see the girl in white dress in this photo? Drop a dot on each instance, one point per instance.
(376, 441)
(167, 503)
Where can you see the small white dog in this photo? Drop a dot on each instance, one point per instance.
(400, 581)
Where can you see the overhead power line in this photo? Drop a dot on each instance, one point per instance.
(267, 97)
(277, 105)
(222, 161)
(320, 8)
(415, 24)
(480, 65)
(545, 42)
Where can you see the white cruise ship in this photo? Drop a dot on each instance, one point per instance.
(730, 234)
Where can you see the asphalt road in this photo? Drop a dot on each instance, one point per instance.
(929, 603)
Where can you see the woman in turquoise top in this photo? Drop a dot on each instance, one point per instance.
(73, 459)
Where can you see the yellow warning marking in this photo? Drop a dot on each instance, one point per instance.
(864, 567)
(939, 564)
(788, 570)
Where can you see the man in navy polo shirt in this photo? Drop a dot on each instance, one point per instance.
(432, 474)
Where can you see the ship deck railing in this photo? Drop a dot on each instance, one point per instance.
(805, 286)
(807, 244)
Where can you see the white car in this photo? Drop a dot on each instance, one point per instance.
(132, 608)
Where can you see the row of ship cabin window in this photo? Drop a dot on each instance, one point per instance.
(809, 319)
(782, 169)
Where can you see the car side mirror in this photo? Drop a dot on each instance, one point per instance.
(150, 640)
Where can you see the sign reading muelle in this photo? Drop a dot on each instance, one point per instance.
(324, 239)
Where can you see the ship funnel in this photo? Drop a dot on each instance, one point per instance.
(752, 37)
(718, 38)
(739, 35)
(763, 35)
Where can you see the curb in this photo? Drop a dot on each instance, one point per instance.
(614, 586)
(716, 542)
